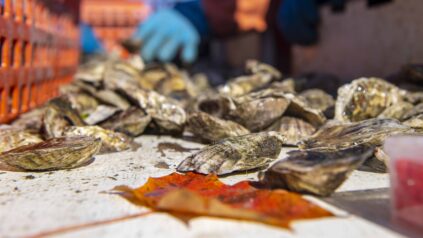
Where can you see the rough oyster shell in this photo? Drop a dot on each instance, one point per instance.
(320, 100)
(210, 128)
(52, 154)
(397, 111)
(365, 98)
(315, 172)
(299, 108)
(131, 122)
(293, 129)
(11, 138)
(370, 132)
(257, 111)
(110, 141)
(241, 153)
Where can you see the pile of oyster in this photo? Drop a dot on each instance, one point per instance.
(244, 122)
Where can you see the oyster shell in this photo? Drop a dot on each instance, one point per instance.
(378, 162)
(320, 100)
(257, 111)
(415, 111)
(210, 103)
(31, 120)
(396, 111)
(168, 114)
(83, 103)
(293, 129)
(120, 75)
(100, 114)
(315, 172)
(415, 122)
(91, 72)
(370, 132)
(58, 116)
(241, 153)
(261, 75)
(365, 98)
(299, 108)
(105, 96)
(52, 154)
(286, 86)
(11, 138)
(110, 141)
(131, 122)
(210, 128)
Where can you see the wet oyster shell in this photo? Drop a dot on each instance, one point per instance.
(11, 138)
(299, 108)
(257, 111)
(100, 114)
(293, 129)
(241, 153)
(257, 67)
(82, 102)
(378, 162)
(286, 86)
(31, 120)
(315, 172)
(365, 98)
(397, 111)
(110, 141)
(413, 112)
(52, 154)
(415, 122)
(58, 116)
(245, 84)
(210, 128)
(131, 122)
(370, 132)
(320, 100)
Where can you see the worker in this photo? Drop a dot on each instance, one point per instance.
(178, 31)
(182, 28)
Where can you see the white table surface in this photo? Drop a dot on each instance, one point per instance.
(53, 200)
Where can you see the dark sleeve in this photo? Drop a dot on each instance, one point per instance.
(194, 12)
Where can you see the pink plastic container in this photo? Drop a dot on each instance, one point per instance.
(406, 171)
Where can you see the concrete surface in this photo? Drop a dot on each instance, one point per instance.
(31, 203)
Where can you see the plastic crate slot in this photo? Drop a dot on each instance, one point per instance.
(14, 52)
(10, 97)
(2, 51)
(24, 53)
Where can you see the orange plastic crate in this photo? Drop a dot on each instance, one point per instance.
(39, 51)
(113, 20)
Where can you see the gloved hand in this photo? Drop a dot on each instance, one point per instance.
(89, 42)
(164, 33)
(298, 20)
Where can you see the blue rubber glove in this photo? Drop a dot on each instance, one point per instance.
(298, 20)
(89, 42)
(166, 32)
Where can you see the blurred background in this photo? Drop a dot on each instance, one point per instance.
(359, 40)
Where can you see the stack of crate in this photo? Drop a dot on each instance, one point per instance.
(39, 50)
(113, 20)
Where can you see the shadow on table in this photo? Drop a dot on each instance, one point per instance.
(373, 205)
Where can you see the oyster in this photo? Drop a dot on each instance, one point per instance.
(286, 86)
(299, 108)
(131, 122)
(100, 114)
(378, 162)
(11, 138)
(262, 75)
(370, 132)
(104, 95)
(397, 111)
(31, 120)
(315, 172)
(110, 141)
(83, 103)
(210, 103)
(168, 114)
(294, 129)
(210, 128)
(58, 116)
(415, 122)
(256, 67)
(91, 72)
(415, 111)
(320, 100)
(257, 111)
(52, 154)
(241, 153)
(365, 98)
